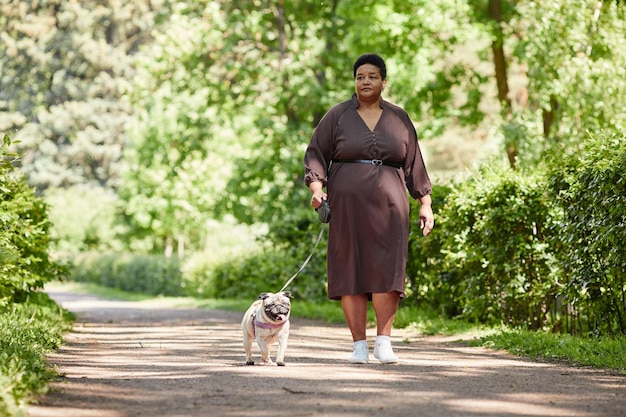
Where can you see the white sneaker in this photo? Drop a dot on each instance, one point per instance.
(384, 353)
(360, 354)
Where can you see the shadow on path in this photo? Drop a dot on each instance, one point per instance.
(129, 359)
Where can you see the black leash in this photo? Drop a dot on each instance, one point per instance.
(319, 237)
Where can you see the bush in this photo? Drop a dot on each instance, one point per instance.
(266, 268)
(489, 257)
(24, 238)
(28, 331)
(427, 284)
(281, 255)
(147, 274)
(590, 189)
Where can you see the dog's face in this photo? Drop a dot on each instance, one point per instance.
(276, 307)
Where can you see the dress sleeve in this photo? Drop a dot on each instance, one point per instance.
(415, 173)
(319, 151)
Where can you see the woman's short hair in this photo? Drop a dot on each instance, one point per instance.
(373, 59)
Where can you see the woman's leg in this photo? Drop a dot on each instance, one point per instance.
(355, 311)
(385, 306)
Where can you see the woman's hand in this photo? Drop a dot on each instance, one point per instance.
(318, 194)
(316, 199)
(427, 219)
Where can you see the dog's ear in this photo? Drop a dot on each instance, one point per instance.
(264, 295)
(287, 294)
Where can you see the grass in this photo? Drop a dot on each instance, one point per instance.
(600, 352)
(28, 331)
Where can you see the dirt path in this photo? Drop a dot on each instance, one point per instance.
(129, 359)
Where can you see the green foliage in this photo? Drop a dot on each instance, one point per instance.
(66, 68)
(280, 256)
(180, 145)
(156, 275)
(532, 249)
(193, 111)
(427, 284)
(601, 352)
(227, 105)
(24, 261)
(82, 219)
(591, 191)
(490, 258)
(327, 311)
(30, 324)
(575, 68)
(28, 331)
(264, 267)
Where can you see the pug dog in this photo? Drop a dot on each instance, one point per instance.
(267, 321)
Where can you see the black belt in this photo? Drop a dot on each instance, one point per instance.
(369, 161)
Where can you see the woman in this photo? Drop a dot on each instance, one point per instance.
(365, 153)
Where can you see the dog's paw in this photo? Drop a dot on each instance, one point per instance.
(249, 362)
(281, 363)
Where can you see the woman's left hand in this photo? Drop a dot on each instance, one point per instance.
(427, 219)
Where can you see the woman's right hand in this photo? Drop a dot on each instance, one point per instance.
(316, 199)
(318, 194)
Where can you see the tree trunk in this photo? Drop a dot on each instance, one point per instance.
(181, 246)
(548, 117)
(169, 246)
(499, 60)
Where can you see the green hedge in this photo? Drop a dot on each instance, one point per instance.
(489, 258)
(31, 324)
(24, 238)
(148, 274)
(28, 332)
(590, 189)
(244, 275)
(281, 254)
(427, 284)
(536, 249)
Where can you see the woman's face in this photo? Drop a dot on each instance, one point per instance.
(368, 82)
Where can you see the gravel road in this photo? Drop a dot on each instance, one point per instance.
(130, 359)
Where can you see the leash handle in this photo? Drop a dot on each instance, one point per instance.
(319, 237)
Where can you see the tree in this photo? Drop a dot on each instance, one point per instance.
(181, 142)
(570, 60)
(230, 86)
(227, 93)
(276, 67)
(65, 72)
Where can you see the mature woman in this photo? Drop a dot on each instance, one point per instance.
(365, 153)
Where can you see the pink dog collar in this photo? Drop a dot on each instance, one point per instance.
(256, 323)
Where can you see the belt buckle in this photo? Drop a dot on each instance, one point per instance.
(377, 162)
